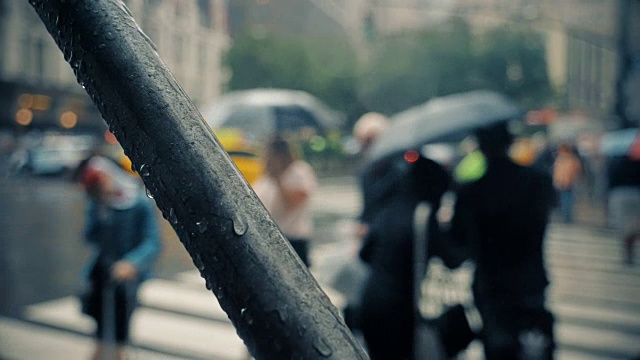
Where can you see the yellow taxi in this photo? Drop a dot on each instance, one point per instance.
(244, 152)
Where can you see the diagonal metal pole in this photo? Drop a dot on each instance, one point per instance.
(277, 307)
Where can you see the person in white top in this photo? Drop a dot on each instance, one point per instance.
(285, 190)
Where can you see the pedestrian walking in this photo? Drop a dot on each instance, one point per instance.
(122, 230)
(372, 179)
(623, 180)
(388, 306)
(566, 171)
(500, 220)
(285, 189)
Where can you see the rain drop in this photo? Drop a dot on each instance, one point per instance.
(172, 216)
(239, 227)
(301, 331)
(322, 347)
(202, 226)
(207, 284)
(149, 194)
(197, 260)
(220, 293)
(283, 314)
(102, 46)
(246, 316)
(144, 170)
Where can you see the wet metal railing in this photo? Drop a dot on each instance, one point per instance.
(275, 304)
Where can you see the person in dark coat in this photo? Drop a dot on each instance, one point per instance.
(500, 220)
(387, 305)
(623, 185)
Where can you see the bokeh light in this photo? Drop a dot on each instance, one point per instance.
(24, 117)
(68, 119)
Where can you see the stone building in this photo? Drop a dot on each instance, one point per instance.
(37, 86)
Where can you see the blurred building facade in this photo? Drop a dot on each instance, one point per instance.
(38, 88)
(593, 47)
(286, 17)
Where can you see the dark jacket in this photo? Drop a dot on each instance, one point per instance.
(388, 309)
(501, 220)
(622, 171)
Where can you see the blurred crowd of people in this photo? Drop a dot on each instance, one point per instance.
(505, 196)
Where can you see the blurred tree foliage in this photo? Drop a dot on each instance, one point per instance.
(400, 71)
(410, 68)
(324, 67)
(513, 61)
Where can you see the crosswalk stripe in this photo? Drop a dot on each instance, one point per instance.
(193, 336)
(165, 331)
(597, 341)
(189, 300)
(573, 312)
(21, 340)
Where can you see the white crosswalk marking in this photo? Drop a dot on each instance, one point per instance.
(175, 317)
(595, 298)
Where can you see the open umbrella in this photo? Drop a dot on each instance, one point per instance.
(444, 119)
(263, 112)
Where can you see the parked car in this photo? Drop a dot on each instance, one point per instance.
(51, 154)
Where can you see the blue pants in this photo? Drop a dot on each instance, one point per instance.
(566, 205)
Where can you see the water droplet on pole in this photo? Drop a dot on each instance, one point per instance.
(144, 170)
(202, 226)
(197, 261)
(239, 226)
(322, 347)
(246, 316)
(173, 219)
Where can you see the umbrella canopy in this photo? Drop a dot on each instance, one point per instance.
(618, 143)
(263, 112)
(444, 119)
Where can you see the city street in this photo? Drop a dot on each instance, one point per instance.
(595, 298)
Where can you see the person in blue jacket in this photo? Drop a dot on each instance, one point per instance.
(122, 230)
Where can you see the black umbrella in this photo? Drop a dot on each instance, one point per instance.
(263, 112)
(444, 119)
